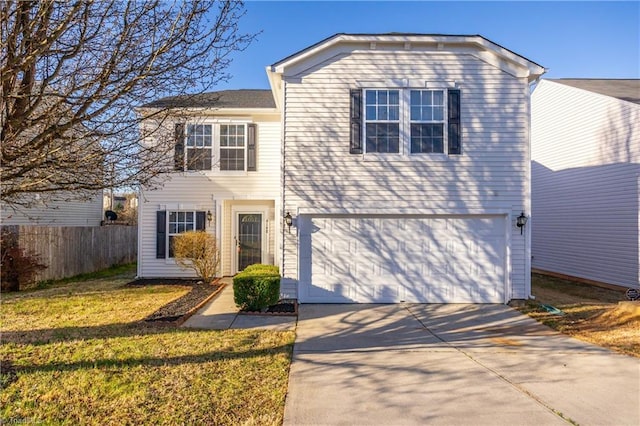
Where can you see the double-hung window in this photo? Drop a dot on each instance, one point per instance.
(199, 147)
(232, 147)
(427, 121)
(215, 147)
(382, 129)
(171, 223)
(405, 122)
(179, 222)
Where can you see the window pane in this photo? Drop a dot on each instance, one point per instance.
(371, 112)
(207, 130)
(382, 97)
(180, 216)
(427, 138)
(416, 113)
(383, 137)
(438, 97)
(415, 98)
(172, 216)
(394, 113)
(189, 216)
(394, 97)
(231, 159)
(173, 228)
(382, 113)
(371, 97)
(199, 158)
(438, 113)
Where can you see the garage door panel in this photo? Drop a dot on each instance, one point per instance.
(405, 258)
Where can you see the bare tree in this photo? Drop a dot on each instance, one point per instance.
(72, 74)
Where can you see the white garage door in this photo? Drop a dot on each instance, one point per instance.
(390, 259)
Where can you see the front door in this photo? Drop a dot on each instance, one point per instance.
(249, 239)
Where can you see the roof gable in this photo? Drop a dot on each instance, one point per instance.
(624, 89)
(475, 44)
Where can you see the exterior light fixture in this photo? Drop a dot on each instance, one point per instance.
(288, 220)
(209, 216)
(521, 221)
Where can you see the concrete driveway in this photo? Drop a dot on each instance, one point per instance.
(451, 364)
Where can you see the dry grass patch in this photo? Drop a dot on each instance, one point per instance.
(79, 354)
(591, 313)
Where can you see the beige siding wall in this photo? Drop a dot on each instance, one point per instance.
(55, 213)
(491, 174)
(208, 191)
(586, 163)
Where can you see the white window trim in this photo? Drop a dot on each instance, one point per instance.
(405, 87)
(215, 160)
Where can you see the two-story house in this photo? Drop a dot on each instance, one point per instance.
(403, 165)
(226, 181)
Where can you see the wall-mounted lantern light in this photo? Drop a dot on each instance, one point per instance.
(288, 220)
(209, 216)
(521, 221)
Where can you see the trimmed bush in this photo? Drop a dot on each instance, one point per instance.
(257, 287)
(262, 268)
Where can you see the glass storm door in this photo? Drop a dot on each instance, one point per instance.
(249, 239)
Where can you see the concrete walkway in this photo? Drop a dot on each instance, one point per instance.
(221, 313)
(451, 364)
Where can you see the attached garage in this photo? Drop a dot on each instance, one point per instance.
(402, 258)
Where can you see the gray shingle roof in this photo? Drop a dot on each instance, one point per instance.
(627, 90)
(244, 98)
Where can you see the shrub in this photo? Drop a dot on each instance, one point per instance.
(257, 287)
(262, 268)
(197, 250)
(18, 267)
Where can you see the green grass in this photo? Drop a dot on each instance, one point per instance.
(78, 353)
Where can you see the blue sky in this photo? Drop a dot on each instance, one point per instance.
(570, 39)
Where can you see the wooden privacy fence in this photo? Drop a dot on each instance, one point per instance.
(73, 250)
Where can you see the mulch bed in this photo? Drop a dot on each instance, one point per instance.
(180, 309)
(284, 307)
(177, 309)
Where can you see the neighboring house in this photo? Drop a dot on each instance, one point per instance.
(55, 213)
(227, 181)
(402, 159)
(586, 179)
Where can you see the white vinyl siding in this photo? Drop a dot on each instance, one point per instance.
(56, 213)
(204, 191)
(585, 188)
(492, 173)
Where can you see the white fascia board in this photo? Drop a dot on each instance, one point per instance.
(275, 82)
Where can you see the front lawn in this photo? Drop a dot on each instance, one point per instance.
(80, 353)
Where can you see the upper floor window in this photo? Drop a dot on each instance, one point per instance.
(382, 118)
(232, 147)
(199, 146)
(405, 121)
(427, 121)
(224, 147)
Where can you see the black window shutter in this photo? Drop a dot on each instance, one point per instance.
(200, 219)
(251, 147)
(355, 146)
(455, 137)
(178, 153)
(161, 234)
